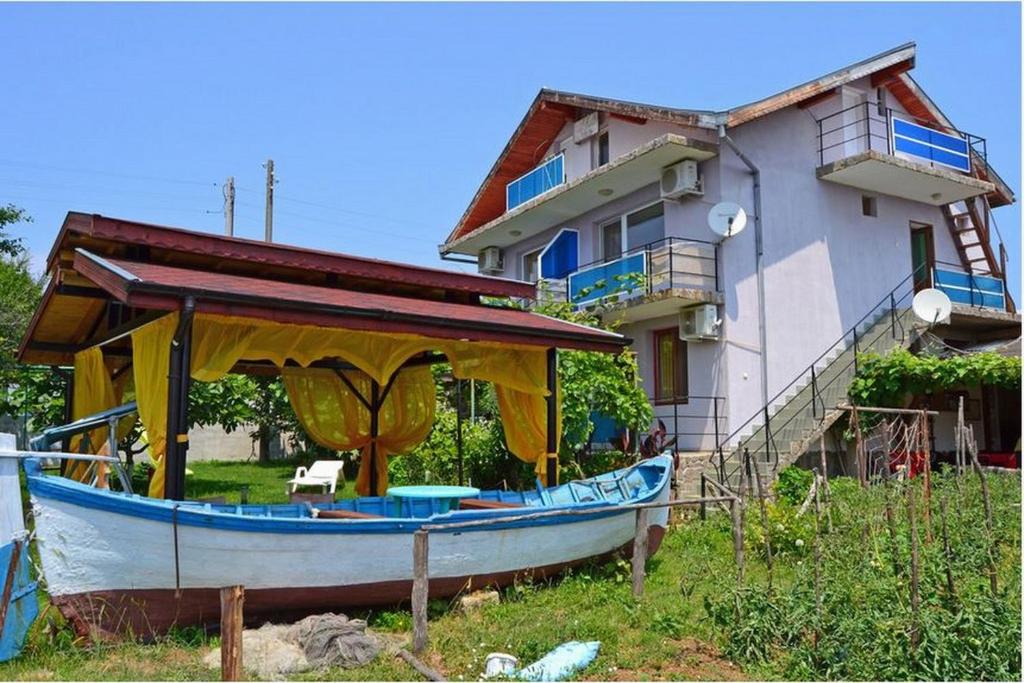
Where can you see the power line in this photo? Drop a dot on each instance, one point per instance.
(91, 188)
(330, 207)
(363, 229)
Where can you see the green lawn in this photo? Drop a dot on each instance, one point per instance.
(266, 481)
(683, 627)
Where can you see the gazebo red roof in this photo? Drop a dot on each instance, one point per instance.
(108, 276)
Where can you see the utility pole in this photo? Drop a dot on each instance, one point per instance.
(268, 233)
(229, 207)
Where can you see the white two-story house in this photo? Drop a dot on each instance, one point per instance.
(857, 191)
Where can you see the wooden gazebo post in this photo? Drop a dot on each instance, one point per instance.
(552, 421)
(178, 380)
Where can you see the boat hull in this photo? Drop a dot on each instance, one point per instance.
(125, 569)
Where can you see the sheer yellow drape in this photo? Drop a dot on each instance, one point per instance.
(333, 416)
(219, 342)
(151, 358)
(94, 391)
(525, 417)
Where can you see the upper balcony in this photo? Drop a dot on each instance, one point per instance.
(546, 196)
(650, 281)
(880, 150)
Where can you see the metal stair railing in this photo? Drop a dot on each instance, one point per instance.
(887, 306)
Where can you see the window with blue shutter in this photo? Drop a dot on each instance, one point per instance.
(561, 256)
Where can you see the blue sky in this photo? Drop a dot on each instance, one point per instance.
(382, 120)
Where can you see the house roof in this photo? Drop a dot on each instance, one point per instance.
(104, 285)
(551, 109)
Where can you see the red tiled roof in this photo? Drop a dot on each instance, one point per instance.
(157, 286)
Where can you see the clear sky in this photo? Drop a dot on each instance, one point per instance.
(382, 120)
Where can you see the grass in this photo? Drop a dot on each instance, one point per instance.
(266, 481)
(666, 635)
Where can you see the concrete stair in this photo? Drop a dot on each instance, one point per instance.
(797, 419)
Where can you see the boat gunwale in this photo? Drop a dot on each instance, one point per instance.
(198, 514)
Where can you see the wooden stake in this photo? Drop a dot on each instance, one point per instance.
(890, 523)
(827, 493)
(817, 563)
(420, 583)
(232, 602)
(640, 552)
(972, 448)
(926, 450)
(950, 586)
(859, 449)
(915, 569)
(764, 522)
(423, 669)
(736, 512)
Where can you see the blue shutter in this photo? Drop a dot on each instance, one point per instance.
(561, 256)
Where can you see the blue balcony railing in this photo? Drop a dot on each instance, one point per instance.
(669, 263)
(970, 289)
(548, 175)
(872, 127)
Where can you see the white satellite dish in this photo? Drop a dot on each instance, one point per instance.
(932, 306)
(727, 219)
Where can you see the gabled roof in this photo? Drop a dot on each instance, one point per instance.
(551, 109)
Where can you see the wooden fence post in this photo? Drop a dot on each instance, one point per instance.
(817, 562)
(926, 450)
(232, 602)
(972, 449)
(736, 512)
(946, 549)
(915, 570)
(639, 552)
(420, 584)
(764, 520)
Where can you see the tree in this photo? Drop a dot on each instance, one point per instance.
(36, 392)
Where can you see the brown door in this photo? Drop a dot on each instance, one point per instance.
(922, 254)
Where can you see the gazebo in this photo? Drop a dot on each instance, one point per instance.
(132, 304)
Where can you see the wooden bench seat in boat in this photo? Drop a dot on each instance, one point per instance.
(345, 514)
(480, 504)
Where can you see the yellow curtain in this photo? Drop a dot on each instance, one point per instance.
(151, 359)
(94, 391)
(219, 342)
(524, 418)
(333, 416)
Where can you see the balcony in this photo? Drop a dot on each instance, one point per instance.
(543, 198)
(646, 282)
(888, 152)
(969, 289)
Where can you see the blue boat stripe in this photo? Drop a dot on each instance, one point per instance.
(202, 515)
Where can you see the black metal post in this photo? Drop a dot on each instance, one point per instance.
(178, 382)
(821, 144)
(718, 286)
(374, 432)
(892, 313)
(767, 435)
(856, 351)
(814, 392)
(714, 401)
(552, 418)
(703, 495)
(458, 426)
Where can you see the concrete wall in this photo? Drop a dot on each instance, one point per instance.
(213, 443)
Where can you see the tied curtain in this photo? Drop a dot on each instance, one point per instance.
(94, 391)
(518, 372)
(334, 417)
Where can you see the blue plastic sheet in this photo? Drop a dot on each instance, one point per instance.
(562, 662)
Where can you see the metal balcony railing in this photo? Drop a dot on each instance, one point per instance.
(871, 126)
(668, 263)
(967, 288)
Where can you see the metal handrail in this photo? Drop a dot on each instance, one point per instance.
(884, 115)
(648, 251)
(717, 416)
(765, 410)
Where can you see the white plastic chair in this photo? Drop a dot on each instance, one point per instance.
(322, 473)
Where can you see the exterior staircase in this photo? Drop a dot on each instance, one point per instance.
(795, 419)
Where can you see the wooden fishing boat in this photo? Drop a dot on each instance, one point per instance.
(120, 563)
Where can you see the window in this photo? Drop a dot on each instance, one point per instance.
(671, 380)
(645, 226)
(611, 240)
(868, 205)
(531, 266)
(602, 149)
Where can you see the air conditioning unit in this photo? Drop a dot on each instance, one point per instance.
(699, 323)
(490, 260)
(681, 179)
